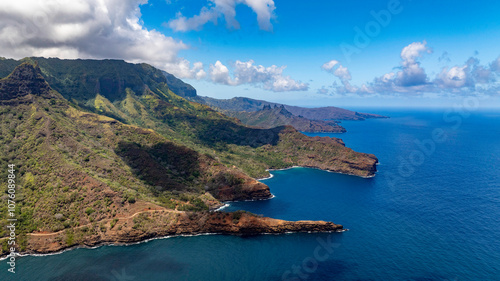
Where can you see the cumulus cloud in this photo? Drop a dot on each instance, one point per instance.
(410, 77)
(219, 73)
(338, 70)
(410, 53)
(455, 77)
(182, 69)
(412, 74)
(468, 75)
(269, 78)
(225, 9)
(88, 29)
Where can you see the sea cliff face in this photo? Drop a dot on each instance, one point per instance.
(324, 153)
(253, 190)
(152, 167)
(151, 224)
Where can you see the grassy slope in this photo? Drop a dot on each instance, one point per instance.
(279, 116)
(77, 167)
(138, 94)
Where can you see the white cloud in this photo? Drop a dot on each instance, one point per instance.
(264, 10)
(410, 53)
(219, 73)
(412, 74)
(269, 78)
(468, 75)
(281, 83)
(88, 29)
(455, 77)
(328, 66)
(337, 69)
(225, 9)
(196, 22)
(388, 77)
(343, 73)
(411, 78)
(182, 69)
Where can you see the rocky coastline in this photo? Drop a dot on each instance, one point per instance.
(152, 224)
(88, 179)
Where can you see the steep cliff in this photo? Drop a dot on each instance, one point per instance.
(79, 172)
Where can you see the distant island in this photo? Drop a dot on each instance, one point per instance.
(106, 152)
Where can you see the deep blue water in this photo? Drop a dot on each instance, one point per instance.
(426, 215)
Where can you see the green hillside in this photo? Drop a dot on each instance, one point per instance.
(95, 141)
(270, 117)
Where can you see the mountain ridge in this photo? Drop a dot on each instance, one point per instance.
(269, 117)
(82, 173)
(314, 113)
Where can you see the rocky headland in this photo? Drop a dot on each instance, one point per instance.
(119, 166)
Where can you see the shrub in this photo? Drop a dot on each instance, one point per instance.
(89, 211)
(113, 223)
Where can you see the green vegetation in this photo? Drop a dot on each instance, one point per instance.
(241, 104)
(114, 136)
(270, 117)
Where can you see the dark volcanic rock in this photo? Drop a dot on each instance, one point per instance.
(24, 81)
(238, 187)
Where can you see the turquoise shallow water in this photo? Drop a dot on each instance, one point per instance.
(438, 220)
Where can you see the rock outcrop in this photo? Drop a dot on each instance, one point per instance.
(160, 223)
(89, 179)
(26, 80)
(324, 153)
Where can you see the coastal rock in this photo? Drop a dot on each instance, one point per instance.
(160, 223)
(324, 153)
(130, 170)
(237, 187)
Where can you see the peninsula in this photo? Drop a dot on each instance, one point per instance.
(106, 152)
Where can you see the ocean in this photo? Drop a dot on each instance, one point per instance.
(432, 212)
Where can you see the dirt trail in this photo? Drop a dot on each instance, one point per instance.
(107, 220)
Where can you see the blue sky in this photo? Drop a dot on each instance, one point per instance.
(346, 53)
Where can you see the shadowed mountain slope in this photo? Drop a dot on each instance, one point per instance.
(81, 172)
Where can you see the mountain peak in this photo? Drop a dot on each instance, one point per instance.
(284, 111)
(26, 79)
